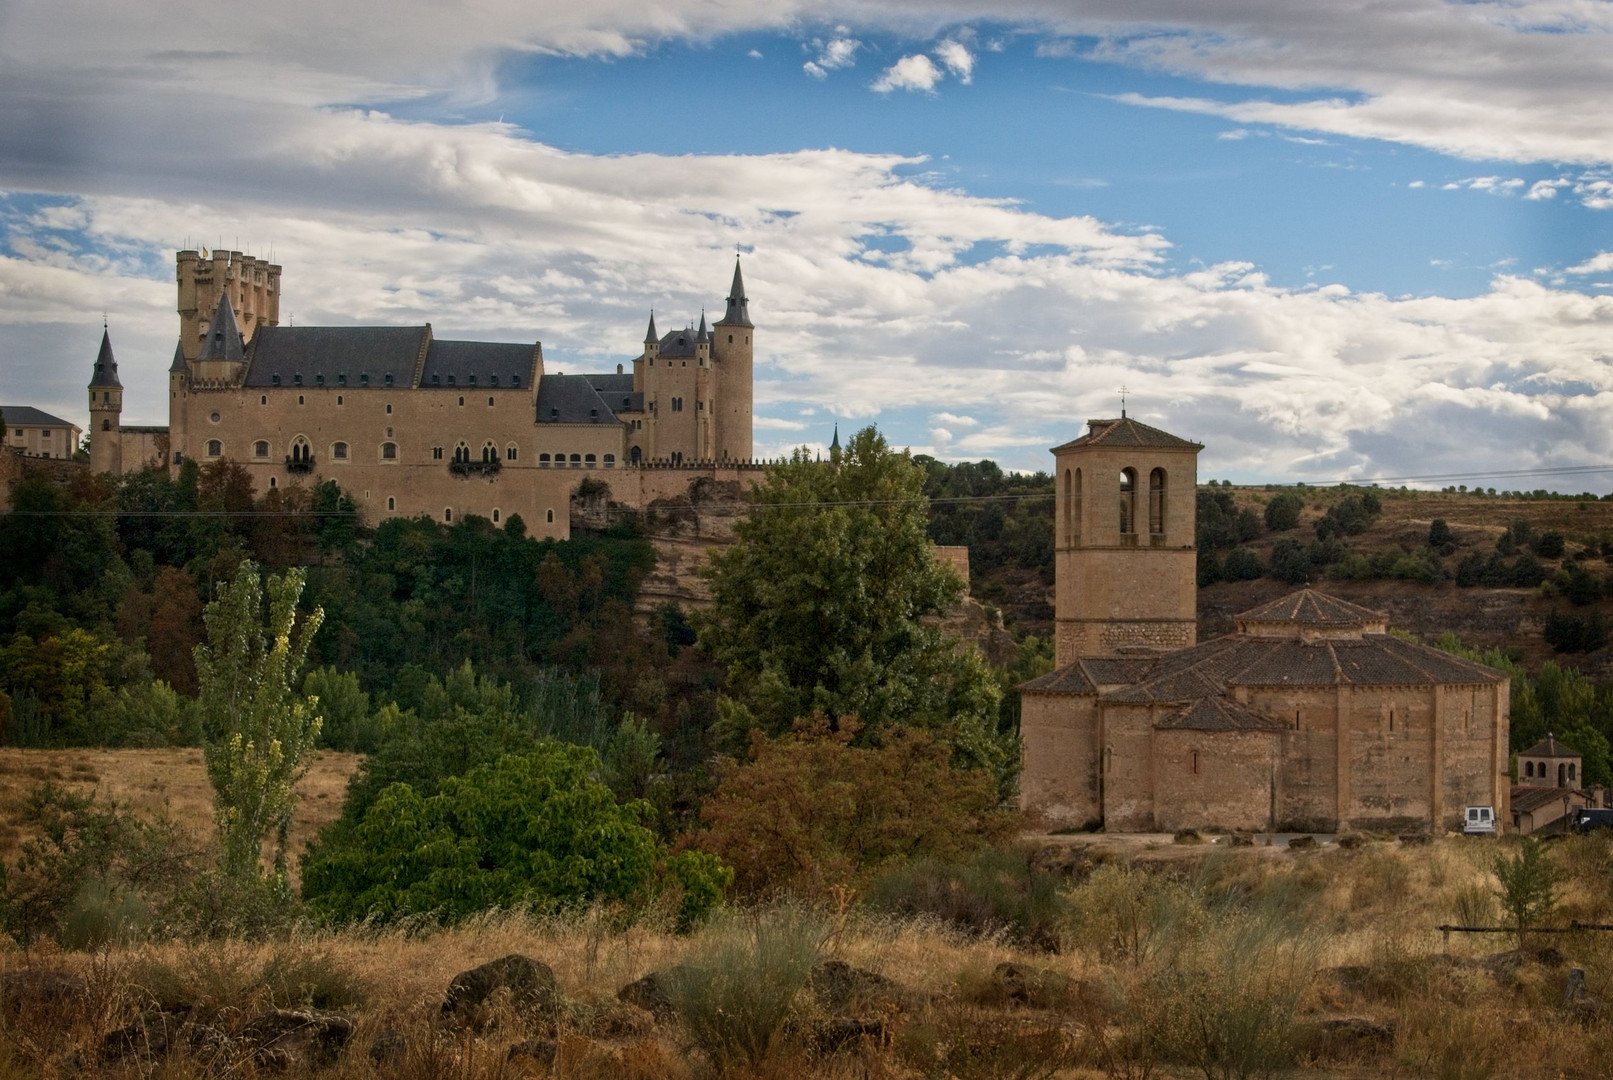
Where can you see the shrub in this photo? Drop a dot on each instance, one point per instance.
(1289, 562)
(1350, 516)
(702, 879)
(1527, 572)
(1575, 633)
(1439, 534)
(1548, 545)
(533, 832)
(1528, 886)
(813, 811)
(1122, 912)
(993, 892)
(1243, 564)
(1282, 511)
(736, 987)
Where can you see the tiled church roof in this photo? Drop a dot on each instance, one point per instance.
(1128, 432)
(1550, 747)
(1217, 714)
(1307, 607)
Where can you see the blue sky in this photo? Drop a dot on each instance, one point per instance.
(1359, 239)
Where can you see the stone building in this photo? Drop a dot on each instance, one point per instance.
(35, 433)
(1550, 786)
(412, 424)
(1310, 716)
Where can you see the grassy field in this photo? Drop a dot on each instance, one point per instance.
(171, 781)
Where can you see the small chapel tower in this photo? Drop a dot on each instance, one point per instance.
(1125, 563)
(106, 410)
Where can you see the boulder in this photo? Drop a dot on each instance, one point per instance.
(539, 1051)
(845, 1032)
(837, 986)
(1035, 987)
(296, 1038)
(388, 1047)
(32, 989)
(1351, 841)
(650, 994)
(531, 985)
(155, 1034)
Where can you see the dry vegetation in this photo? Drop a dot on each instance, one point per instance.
(1162, 952)
(171, 781)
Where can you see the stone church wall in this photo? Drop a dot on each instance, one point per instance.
(1214, 779)
(1060, 779)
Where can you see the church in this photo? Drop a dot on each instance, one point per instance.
(412, 424)
(1310, 717)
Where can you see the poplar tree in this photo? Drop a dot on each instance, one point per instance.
(258, 731)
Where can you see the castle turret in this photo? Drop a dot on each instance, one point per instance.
(222, 356)
(731, 359)
(178, 396)
(251, 285)
(106, 408)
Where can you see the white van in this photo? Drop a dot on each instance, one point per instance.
(1480, 821)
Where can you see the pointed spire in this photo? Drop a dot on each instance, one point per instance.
(106, 368)
(738, 313)
(179, 358)
(702, 335)
(650, 334)
(835, 444)
(223, 337)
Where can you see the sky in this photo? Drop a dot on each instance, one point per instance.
(1366, 239)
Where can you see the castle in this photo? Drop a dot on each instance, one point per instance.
(412, 424)
(1310, 716)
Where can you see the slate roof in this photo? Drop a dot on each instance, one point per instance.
(650, 334)
(477, 364)
(1217, 714)
(572, 399)
(332, 351)
(678, 344)
(179, 358)
(738, 313)
(618, 392)
(223, 341)
(1547, 747)
(1128, 432)
(1527, 797)
(1307, 607)
(106, 367)
(28, 416)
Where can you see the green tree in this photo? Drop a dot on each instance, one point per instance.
(258, 732)
(536, 831)
(827, 600)
(1282, 511)
(1528, 881)
(1289, 561)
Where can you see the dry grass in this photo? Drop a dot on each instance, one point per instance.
(170, 780)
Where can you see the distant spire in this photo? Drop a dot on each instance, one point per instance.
(738, 313)
(223, 337)
(106, 368)
(650, 334)
(702, 335)
(834, 446)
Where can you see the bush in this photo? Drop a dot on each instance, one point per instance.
(1242, 564)
(1282, 511)
(735, 989)
(1127, 914)
(1439, 534)
(814, 811)
(533, 832)
(1527, 573)
(1289, 562)
(1350, 516)
(991, 893)
(1548, 545)
(1528, 886)
(1575, 633)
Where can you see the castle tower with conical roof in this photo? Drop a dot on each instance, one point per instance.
(1125, 558)
(106, 410)
(732, 366)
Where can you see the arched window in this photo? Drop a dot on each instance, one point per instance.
(635, 455)
(1128, 501)
(495, 515)
(549, 517)
(509, 453)
(1570, 772)
(576, 461)
(214, 448)
(260, 448)
(338, 451)
(301, 452)
(1069, 507)
(489, 452)
(1156, 502)
(462, 453)
(389, 451)
(1562, 775)
(588, 460)
(543, 461)
(273, 482)
(391, 503)
(1529, 769)
(610, 461)
(448, 515)
(1076, 512)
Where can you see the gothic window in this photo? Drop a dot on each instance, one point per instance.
(1156, 502)
(260, 448)
(1128, 501)
(635, 455)
(301, 452)
(338, 451)
(461, 453)
(214, 448)
(509, 453)
(489, 452)
(389, 451)
(436, 453)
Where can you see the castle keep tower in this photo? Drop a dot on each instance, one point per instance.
(1126, 567)
(106, 409)
(252, 286)
(731, 356)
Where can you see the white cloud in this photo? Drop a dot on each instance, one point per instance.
(917, 72)
(1234, 134)
(1416, 184)
(1545, 189)
(814, 69)
(957, 58)
(1594, 265)
(755, 54)
(775, 423)
(954, 420)
(836, 52)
